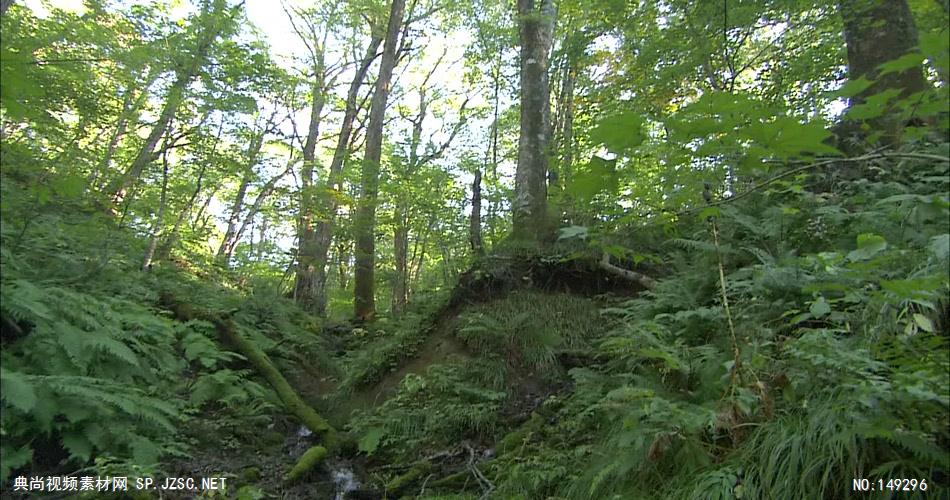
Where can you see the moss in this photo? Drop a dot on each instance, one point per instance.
(401, 482)
(307, 461)
(515, 439)
(272, 438)
(250, 475)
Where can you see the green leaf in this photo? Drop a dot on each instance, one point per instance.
(819, 308)
(788, 136)
(600, 175)
(369, 443)
(144, 451)
(924, 322)
(873, 107)
(17, 390)
(869, 245)
(620, 132)
(853, 87)
(13, 459)
(940, 245)
(904, 62)
(710, 212)
(78, 446)
(566, 233)
(912, 288)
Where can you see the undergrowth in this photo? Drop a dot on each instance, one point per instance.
(840, 313)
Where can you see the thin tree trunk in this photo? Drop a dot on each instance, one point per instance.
(230, 238)
(169, 242)
(493, 201)
(475, 222)
(157, 226)
(567, 122)
(365, 223)
(529, 206)
(128, 109)
(117, 134)
(400, 256)
(266, 191)
(401, 231)
(402, 209)
(417, 274)
(204, 207)
(172, 238)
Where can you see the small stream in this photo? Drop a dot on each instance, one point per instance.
(344, 479)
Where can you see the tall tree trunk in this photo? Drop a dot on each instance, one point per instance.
(877, 31)
(4, 5)
(400, 256)
(365, 226)
(402, 199)
(475, 222)
(211, 26)
(567, 122)
(401, 231)
(529, 207)
(157, 226)
(326, 200)
(117, 134)
(308, 280)
(129, 107)
(493, 200)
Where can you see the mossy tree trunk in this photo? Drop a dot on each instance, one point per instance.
(365, 220)
(878, 31)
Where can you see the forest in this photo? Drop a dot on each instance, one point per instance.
(475, 249)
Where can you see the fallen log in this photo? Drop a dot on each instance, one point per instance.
(639, 278)
(228, 332)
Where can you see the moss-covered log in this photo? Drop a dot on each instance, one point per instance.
(294, 404)
(408, 478)
(307, 461)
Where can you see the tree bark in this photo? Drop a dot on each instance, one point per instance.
(567, 121)
(326, 199)
(878, 31)
(529, 207)
(308, 280)
(365, 223)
